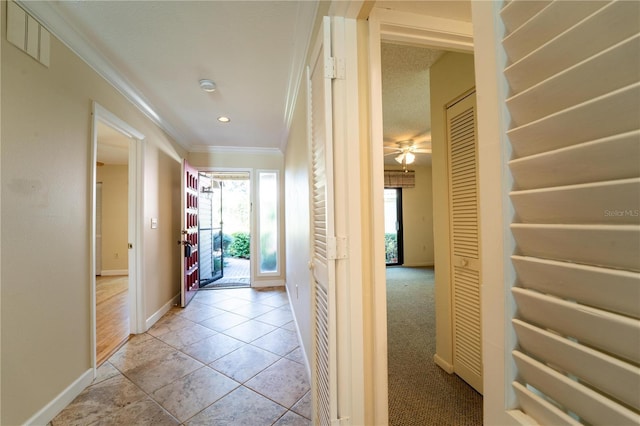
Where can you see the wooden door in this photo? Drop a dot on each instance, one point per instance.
(465, 251)
(189, 232)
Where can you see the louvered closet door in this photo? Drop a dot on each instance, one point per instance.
(322, 212)
(574, 76)
(463, 195)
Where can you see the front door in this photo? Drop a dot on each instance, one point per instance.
(189, 233)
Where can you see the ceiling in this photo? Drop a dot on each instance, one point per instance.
(112, 147)
(254, 51)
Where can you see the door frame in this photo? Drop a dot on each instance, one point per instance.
(135, 220)
(421, 30)
(252, 214)
(399, 228)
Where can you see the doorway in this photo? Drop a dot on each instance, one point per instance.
(225, 229)
(116, 244)
(393, 232)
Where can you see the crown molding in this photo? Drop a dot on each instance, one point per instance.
(236, 150)
(306, 15)
(50, 17)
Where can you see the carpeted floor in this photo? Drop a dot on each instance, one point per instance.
(421, 393)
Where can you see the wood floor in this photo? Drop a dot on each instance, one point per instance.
(112, 315)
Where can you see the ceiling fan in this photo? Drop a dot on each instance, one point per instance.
(405, 151)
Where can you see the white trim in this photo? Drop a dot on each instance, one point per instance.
(300, 341)
(442, 363)
(417, 30)
(267, 283)
(236, 150)
(47, 14)
(306, 14)
(135, 221)
(114, 272)
(175, 301)
(64, 398)
(405, 27)
(496, 242)
(255, 249)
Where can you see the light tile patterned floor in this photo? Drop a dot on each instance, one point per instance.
(230, 358)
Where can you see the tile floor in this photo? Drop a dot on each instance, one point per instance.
(230, 358)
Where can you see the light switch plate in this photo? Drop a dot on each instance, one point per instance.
(154, 223)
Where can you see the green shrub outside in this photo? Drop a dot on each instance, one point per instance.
(241, 245)
(391, 248)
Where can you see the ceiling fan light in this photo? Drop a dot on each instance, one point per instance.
(409, 157)
(399, 158)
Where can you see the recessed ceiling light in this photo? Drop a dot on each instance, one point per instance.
(207, 85)
(224, 119)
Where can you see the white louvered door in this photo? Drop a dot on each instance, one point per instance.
(465, 261)
(574, 77)
(323, 232)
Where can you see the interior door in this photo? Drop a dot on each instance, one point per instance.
(323, 233)
(465, 262)
(189, 232)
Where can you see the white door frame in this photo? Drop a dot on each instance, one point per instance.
(135, 221)
(419, 30)
(252, 199)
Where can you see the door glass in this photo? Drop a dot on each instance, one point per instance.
(268, 207)
(210, 229)
(393, 226)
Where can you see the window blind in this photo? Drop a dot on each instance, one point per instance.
(573, 70)
(399, 179)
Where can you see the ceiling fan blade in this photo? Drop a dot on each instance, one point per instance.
(422, 151)
(392, 153)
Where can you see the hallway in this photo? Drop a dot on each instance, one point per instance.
(230, 358)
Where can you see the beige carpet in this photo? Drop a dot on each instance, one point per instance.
(421, 393)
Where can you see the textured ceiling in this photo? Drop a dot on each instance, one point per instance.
(253, 50)
(406, 112)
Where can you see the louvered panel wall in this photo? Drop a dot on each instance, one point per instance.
(461, 138)
(574, 104)
(464, 198)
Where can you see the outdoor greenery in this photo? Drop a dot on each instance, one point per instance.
(241, 245)
(391, 248)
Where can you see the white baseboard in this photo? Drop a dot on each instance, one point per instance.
(160, 312)
(440, 362)
(53, 408)
(418, 265)
(114, 272)
(267, 283)
(304, 353)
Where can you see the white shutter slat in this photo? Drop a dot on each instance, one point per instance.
(545, 25)
(574, 130)
(540, 409)
(610, 289)
(584, 203)
(587, 38)
(618, 379)
(568, 87)
(583, 163)
(516, 13)
(589, 325)
(593, 407)
(591, 120)
(610, 246)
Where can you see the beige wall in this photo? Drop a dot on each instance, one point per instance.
(417, 218)
(450, 77)
(115, 216)
(45, 152)
(297, 222)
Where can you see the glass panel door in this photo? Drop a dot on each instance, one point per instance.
(393, 226)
